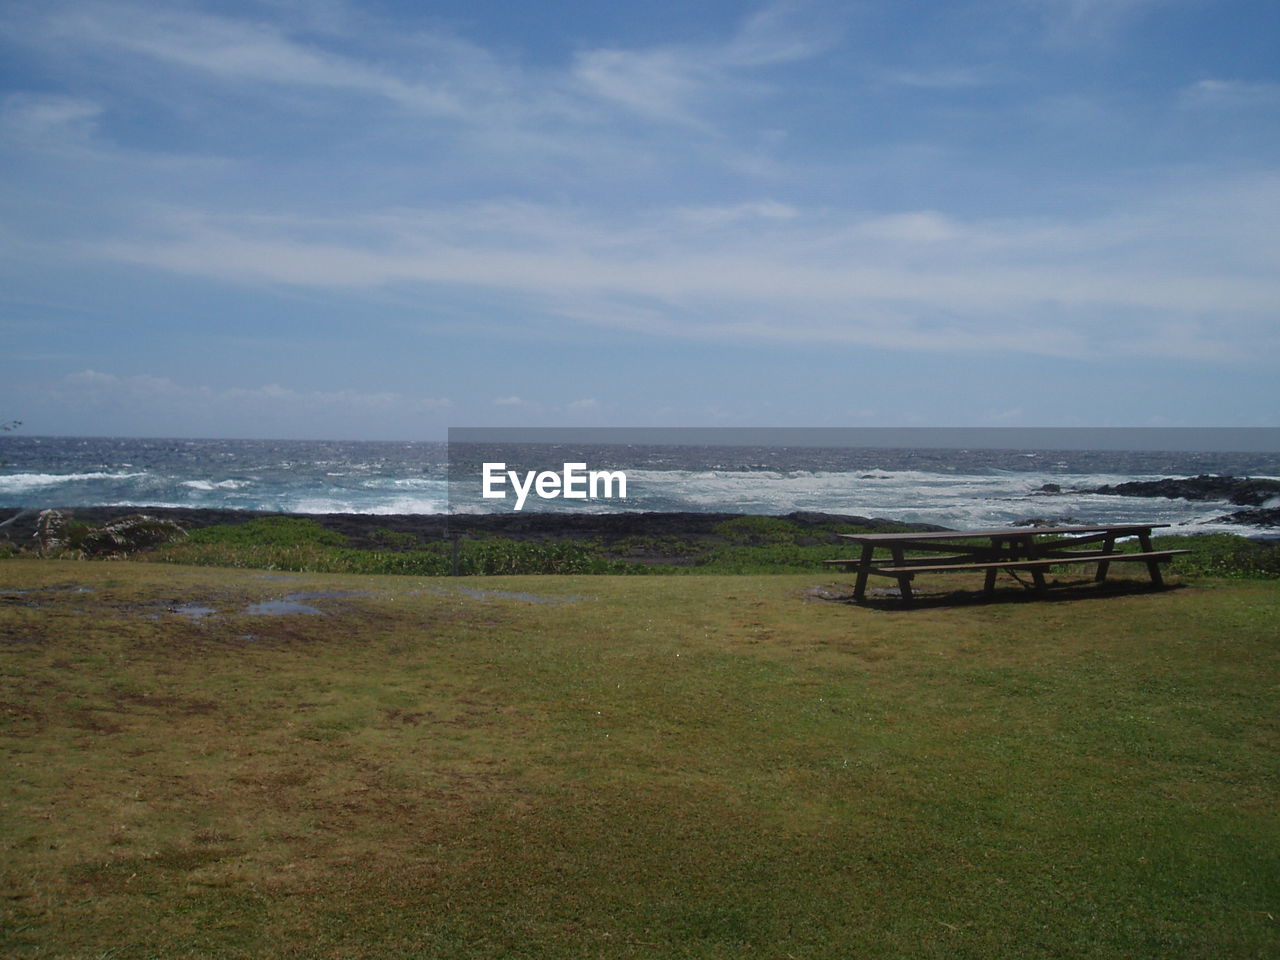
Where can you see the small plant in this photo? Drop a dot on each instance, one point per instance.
(58, 534)
(270, 531)
(128, 535)
(1223, 555)
(393, 539)
(757, 531)
(52, 534)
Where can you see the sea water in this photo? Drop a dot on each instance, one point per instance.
(956, 488)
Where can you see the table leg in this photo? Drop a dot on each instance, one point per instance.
(1037, 574)
(904, 579)
(989, 582)
(904, 587)
(1108, 546)
(1144, 539)
(864, 565)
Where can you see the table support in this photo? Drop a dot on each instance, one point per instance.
(989, 581)
(904, 579)
(860, 586)
(1108, 546)
(1144, 538)
(1027, 547)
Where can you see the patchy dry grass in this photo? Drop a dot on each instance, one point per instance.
(630, 767)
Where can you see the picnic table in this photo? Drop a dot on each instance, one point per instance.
(1029, 549)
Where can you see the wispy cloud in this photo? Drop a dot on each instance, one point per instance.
(1073, 22)
(939, 78)
(769, 271)
(425, 93)
(672, 82)
(1231, 94)
(43, 121)
(159, 405)
(237, 51)
(765, 179)
(150, 388)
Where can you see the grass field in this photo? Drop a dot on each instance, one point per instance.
(631, 767)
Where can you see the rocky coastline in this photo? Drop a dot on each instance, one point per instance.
(364, 530)
(1259, 498)
(1260, 495)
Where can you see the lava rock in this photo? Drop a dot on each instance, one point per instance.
(1260, 517)
(1242, 491)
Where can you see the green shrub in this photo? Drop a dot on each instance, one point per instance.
(754, 531)
(1223, 555)
(270, 531)
(393, 539)
(58, 534)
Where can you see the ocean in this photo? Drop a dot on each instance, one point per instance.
(956, 488)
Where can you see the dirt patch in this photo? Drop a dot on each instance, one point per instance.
(178, 706)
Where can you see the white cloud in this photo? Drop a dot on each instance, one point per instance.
(157, 405)
(1075, 22)
(41, 121)
(650, 215)
(417, 99)
(938, 78)
(1193, 274)
(150, 387)
(1231, 94)
(239, 52)
(672, 82)
(737, 212)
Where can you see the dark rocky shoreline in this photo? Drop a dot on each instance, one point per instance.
(1241, 491)
(366, 530)
(369, 530)
(1251, 492)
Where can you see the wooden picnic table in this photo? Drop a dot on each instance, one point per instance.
(1029, 549)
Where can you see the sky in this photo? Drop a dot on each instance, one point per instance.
(379, 220)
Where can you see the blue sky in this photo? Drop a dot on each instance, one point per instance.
(316, 218)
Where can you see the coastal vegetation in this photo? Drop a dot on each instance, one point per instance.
(744, 545)
(212, 762)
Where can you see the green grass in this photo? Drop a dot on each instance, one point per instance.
(744, 545)
(642, 767)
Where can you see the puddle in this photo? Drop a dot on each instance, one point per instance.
(292, 603)
(193, 610)
(279, 608)
(833, 596)
(60, 588)
(826, 593)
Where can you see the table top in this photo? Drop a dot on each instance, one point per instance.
(1001, 532)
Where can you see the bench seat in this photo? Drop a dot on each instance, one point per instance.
(1150, 556)
(939, 559)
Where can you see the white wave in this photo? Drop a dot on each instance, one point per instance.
(34, 481)
(405, 483)
(952, 500)
(383, 507)
(209, 486)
